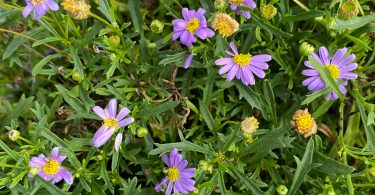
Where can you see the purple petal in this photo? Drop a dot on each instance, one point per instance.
(38, 161)
(185, 14)
(27, 10)
(40, 10)
(182, 165)
(346, 61)
(316, 57)
(160, 185)
(260, 73)
(233, 47)
(184, 37)
(188, 184)
(233, 6)
(310, 72)
(229, 53)
(200, 12)
(342, 89)
(113, 107)
(202, 34)
(261, 65)
(187, 173)
(123, 113)
(349, 67)
(348, 75)
(339, 55)
(307, 64)
(172, 156)
(60, 159)
(55, 153)
(66, 175)
(232, 73)
(101, 137)
(165, 158)
(169, 189)
(118, 141)
(179, 187)
(246, 14)
(261, 58)
(224, 61)
(210, 33)
(57, 178)
(44, 175)
(188, 61)
(250, 3)
(314, 84)
(100, 112)
(177, 34)
(179, 23)
(225, 68)
(309, 80)
(324, 55)
(248, 74)
(52, 5)
(126, 122)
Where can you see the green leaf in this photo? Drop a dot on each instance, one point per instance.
(16, 42)
(105, 177)
(207, 92)
(354, 23)
(76, 61)
(207, 117)
(173, 58)
(302, 16)
(104, 8)
(157, 109)
(314, 96)
(115, 157)
(249, 95)
(135, 14)
(38, 67)
(270, 99)
(18, 178)
(359, 42)
(47, 40)
(303, 167)
(75, 103)
(247, 181)
(220, 180)
(368, 130)
(10, 152)
(53, 189)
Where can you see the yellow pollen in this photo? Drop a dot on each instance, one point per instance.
(192, 25)
(111, 123)
(173, 174)
(304, 121)
(51, 167)
(238, 2)
(334, 70)
(242, 59)
(34, 2)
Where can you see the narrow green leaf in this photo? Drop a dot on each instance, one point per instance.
(244, 179)
(249, 95)
(314, 96)
(135, 14)
(354, 23)
(38, 67)
(178, 57)
(270, 99)
(207, 92)
(114, 162)
(302, 16)
(207, 117)
(52, 188)
(104, 8)
(157, 109)
(220, 181)
(368, 130)
(105, 176)
(10, 152)
(16, 42)
(18, 178)
(358, 41)
(47, 40)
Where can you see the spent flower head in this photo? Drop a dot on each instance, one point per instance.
(225, 24)
(268, 11)
(243, 66)
(79, 9)
(40, 8)
(304, 123)
(349, 9)
(179, 178)
(112, 121)
(13, 135)
(249, 125)
(340, 67)
(50, 168)
(193, 23)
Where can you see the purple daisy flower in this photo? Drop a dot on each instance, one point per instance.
(50, 168)
(339, 66)
(246, 3)
(243, 66)
(40, 7)
(178, 176)
(193, 23)
(111, 123)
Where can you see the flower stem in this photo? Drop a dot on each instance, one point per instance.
(11, 166)
(25, 140)
(301, 5)
(104, 22)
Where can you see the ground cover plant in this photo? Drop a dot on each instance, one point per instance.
(187, 97)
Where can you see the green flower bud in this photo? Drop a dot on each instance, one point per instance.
(349, 9)
(13, 135)
(372, 171)
(220, 4)
(157, 26)
(114, 40)
(33, 170)
(205, 166)
(77, 175)
(113, 57)
(306, 49)
(77, 77)
(142, 132)
(282, 190)
(268, 11)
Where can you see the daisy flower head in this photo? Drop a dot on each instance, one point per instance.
(339, 66)
(193, 23)
(50, 168)
(179, 178)
(112, 121)
(246, 3)
(243, 66)
(303, 122)
(40, 7)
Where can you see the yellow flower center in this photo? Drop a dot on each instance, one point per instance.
(334, 70)
(238, 2)
(249, 125)
(34, 2)
(192, 25)
(242, 59)
(304, 121)
(173, 174)
(111, 123)
(51, 167)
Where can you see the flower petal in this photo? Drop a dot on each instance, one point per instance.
(226, 68)
(169, 189)
(123, 113)
(113, 107)
(54, 153)
(52, 5)
(224, 61)
(324, 55)
(233, 47)
(66, 175)
(126, 122)
(349, 67)
(118, 141)
(188, 61)
(165, 158)
(38, 161)
(159, 186)
(232, 73)
(27, 10)
(100, 112)
(102, 136)
(348, 75)
(44, 175)
(261, 58)
(339, 55)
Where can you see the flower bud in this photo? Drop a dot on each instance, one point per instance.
(142, 132)
(112, 57)
(157, 26)
(118, 141)
(306, 49)
(220, 4)
(33, 170)
(282, 190)
(205, 166)
(79, 9)
(249, 125)
(349, 9)
(77, 77)
(13, 135)
(304, 123)
(268, 11)
(249, 138)
(114, 40)
(372, 171)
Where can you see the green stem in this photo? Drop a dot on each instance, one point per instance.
(301, 5)
(25, 140)
(363, 185)
(104, 22)
(11, 166)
